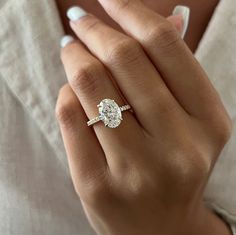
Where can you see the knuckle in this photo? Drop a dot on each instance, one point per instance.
(65, 110)
(199, 167)
(166, 106)
(97, 194)
(90, 23)
(221, 127)
(139, 183)
(164, 34)
(90, 183)
(224, 131)
(64, 114)
(191, 167)
(124, 51)
(85, 79)
(124, 4)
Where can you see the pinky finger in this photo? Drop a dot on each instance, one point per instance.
(86, 159)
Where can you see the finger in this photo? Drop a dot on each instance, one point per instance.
(85, 156)
(179, 69)
(177, 22)
(136, 76)
(91, 84)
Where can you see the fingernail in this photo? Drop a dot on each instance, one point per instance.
(66, 40)
(75, 13)
(185, 12)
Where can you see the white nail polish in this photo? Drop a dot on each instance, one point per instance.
(66, 40)
(75, 13)
(185, 12)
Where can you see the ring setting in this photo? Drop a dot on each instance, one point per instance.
(109, 113)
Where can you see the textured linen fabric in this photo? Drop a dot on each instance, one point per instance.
(217, 54)
(36, 193)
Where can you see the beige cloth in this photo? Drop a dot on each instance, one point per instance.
(36, 194)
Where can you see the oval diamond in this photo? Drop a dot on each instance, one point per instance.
(110, 113)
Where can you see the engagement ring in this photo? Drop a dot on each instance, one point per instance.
(109, 113)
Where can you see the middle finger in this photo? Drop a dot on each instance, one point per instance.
(136, 76)
(177, 65)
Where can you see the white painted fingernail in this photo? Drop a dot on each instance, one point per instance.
(185, 12)
(75, 13)
(66, 40)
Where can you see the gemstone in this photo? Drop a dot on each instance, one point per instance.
(110, 113)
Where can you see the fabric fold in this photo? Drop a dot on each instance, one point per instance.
(30, 62)
(216, 53)
(30, 65)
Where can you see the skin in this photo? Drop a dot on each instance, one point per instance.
(148, 175)
(200, 15)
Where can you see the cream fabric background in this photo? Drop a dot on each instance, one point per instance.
(217, 54)
(36, 194)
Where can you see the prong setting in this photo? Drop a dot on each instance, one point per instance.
(109, 113)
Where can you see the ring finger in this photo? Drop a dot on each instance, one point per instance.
(91, 83)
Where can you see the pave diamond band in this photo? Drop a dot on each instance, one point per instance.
(125, 108)
(94, 121)
(110, 113)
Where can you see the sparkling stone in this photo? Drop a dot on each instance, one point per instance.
(110, 113)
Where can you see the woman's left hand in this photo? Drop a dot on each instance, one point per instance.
(148, 175)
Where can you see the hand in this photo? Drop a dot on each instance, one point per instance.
(148, 175)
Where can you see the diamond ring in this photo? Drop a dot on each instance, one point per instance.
(109, 113)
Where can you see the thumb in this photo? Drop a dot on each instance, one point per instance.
(180, 19)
